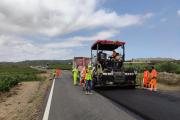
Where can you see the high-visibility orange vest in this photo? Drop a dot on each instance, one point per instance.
(114, 54)
(84, 73)
(153, 74)
(57, 71)
(146, 75)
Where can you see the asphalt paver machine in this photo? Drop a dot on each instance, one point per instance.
(114, 73)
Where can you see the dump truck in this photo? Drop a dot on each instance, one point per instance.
(82, 63)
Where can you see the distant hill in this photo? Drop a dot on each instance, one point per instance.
(37, 62)
(153, 59)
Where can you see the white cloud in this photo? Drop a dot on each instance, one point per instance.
(54, 18)
(77, 40)
(178, 12)
(14, 48)
(151, 26)
(48, 19)
(164, 19)
(99, 35)
(148, 15)
(10, 40)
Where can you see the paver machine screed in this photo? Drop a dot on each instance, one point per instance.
(114, 73)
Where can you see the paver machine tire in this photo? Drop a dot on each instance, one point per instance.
(94, 82)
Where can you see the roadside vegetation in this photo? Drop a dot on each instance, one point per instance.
(168, 72)
(169, 67)
(10, 76)
(18, 70)
(61, 66)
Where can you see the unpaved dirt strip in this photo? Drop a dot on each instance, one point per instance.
(13, 102)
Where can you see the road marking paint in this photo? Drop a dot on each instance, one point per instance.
(46, 113)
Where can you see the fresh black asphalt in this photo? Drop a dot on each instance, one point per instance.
(148, 104)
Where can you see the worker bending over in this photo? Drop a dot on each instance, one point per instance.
(75, 74)
(54, 73)
(57, 72)
(84, 81)
(88, 79)
(146, 78)
(153, 79)
(99, 72)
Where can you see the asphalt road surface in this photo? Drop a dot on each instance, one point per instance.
(148, 104)
(69, 102)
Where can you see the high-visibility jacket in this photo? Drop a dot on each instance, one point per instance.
(153, 74)
(54, 72)
(114, 54)
(57, 71)
(99, 68)
(88, 74)
(84, 73)
(146, 75)
(75, 71)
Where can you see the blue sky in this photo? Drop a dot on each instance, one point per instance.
(34, 29)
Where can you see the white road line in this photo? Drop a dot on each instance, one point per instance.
(46, 113)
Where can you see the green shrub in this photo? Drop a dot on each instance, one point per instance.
(62, 66)
(168, 67)
(177, 71)
(7, 82)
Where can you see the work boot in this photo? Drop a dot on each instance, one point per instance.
(150, 89)
(83, 89)
(86, 93)
(155, 89)
(90, 93)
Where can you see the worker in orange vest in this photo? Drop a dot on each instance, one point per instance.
(84, 75)
(57, 72)
(114, 54)
(153, 79)
(146, 78)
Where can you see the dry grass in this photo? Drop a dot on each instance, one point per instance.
(25, 100)
(31, 111)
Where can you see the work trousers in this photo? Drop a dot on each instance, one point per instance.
(57, 75)
(84, 82)
(54, 75)
(146, 83)
(153, 83)
(75, 79)
(88, 82)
